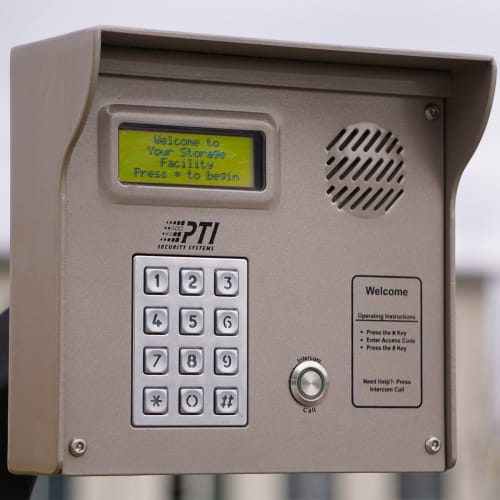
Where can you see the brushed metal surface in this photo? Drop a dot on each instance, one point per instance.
(302, 255)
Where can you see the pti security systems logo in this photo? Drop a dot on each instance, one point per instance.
(188, 235)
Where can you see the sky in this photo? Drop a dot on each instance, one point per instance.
(432, 25)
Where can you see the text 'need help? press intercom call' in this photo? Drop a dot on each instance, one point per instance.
(212, 260)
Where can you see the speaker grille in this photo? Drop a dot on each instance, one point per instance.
(365, 169)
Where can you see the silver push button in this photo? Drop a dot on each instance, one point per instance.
(191, 401)
(155, 280)
(191, 321)
(191, 361)
(226, 401)
(156, 320)
(309, 383)
(226, 361)
(155, 360)
(226, 283)
(155, 400)
(226, 321)
(191, 281)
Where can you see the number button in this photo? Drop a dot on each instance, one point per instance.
(155, 280)
(191, 281)
(226, 401)
(226, 321)
(156, 320)
(155, 360)
(226, 361)
(191, 401)
(226, 283)
(191, 361)
(191, 321)
(155, 401)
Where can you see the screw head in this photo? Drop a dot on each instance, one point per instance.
(433, 445)
(77, 447)
(432, 112)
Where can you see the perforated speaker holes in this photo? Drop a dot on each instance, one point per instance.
(365, 169)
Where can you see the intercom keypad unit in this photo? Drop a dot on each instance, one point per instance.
(190, 341)
(234, 256)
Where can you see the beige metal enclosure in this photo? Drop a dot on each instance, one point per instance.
(284, 305)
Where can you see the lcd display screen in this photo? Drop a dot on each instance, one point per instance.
(192, 157)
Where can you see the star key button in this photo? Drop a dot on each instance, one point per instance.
(155, 400)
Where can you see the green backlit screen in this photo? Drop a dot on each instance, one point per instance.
(190, 157)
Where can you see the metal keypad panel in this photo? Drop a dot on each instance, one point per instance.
(189, 341)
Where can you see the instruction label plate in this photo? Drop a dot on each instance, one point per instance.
(386, 341)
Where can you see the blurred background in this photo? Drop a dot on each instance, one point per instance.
(437, 25)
